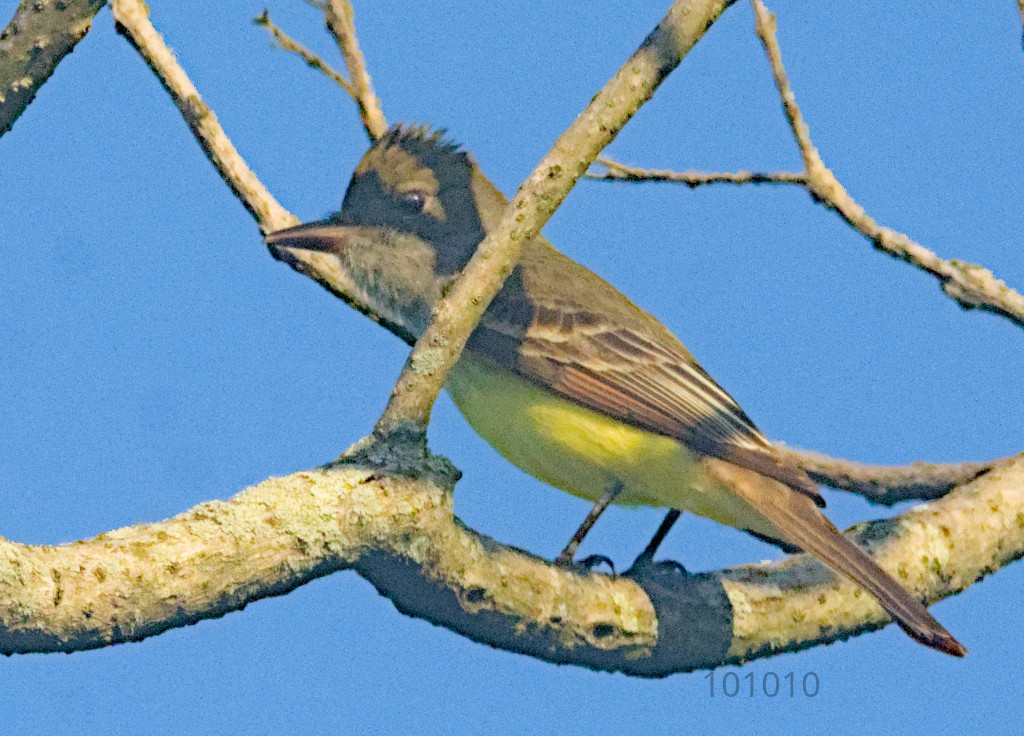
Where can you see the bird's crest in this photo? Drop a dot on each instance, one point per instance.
(421, 141)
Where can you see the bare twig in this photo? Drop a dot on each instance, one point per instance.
(765, 25)
(886, 484)
(970, 285)
(615, 171)
(38, 37)
(340, 21)
(289, 44)
(133, 22)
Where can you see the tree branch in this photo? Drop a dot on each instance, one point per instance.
(970, 285)
(399, 533)
(289, 44)
(133, 22)
(615, 171)
(340, 20)
(885, 484)
(39, 36)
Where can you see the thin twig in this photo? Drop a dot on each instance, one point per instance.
(970, 285)
(133, 22)
(540, 194)
(886, 484)
(287, 43)
(340, 21)
(765, 25)
(615, 171)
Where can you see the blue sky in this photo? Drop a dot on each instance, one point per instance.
(154, 355)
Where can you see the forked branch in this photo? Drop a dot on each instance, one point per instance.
(970, 285)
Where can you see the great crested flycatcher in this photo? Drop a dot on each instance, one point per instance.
(566, 377)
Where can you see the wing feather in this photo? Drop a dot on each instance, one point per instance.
(639, 373)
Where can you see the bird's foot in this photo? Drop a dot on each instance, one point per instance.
(645, 564)
(586, 565)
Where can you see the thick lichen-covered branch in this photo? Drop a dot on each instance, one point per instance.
(972, 286)
(38, 37)
(397, 531)
(946, 544)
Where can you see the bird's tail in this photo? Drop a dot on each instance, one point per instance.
(799, 521)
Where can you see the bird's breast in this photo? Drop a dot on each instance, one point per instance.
(582, 451)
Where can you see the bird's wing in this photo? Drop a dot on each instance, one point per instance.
(628, 366)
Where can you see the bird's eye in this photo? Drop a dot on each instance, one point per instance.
(413, 201)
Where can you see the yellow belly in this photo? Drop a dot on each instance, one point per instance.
(584, 452)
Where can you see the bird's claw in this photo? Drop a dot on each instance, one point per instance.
(589, 563)
(645, 563)
(586, 565)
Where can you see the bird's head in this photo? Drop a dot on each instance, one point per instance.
(413, 214)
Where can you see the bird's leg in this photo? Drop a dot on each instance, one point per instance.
(647, 555)
(569, 552)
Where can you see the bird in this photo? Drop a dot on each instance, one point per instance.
(565, 376)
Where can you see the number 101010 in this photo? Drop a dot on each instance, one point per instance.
(765, 685)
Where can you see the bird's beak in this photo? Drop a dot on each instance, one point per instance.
(322, 236)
